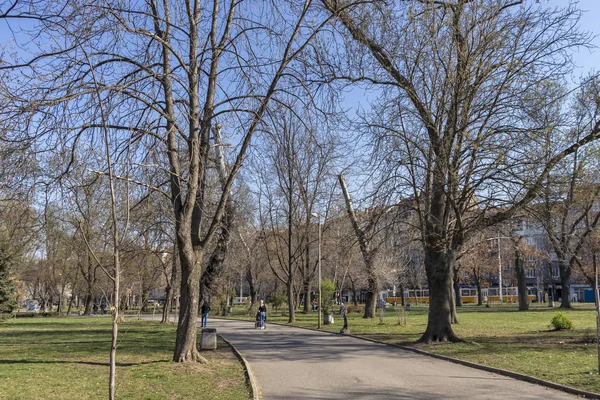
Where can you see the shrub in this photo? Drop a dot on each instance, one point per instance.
(561, 322)
(277, 300)
(355, 309)
(328, 293)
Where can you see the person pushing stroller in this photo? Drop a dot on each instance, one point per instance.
(261, 315)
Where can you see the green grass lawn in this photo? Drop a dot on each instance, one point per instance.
(500, 337)
(68, 358)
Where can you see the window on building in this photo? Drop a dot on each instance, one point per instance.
(530, 273)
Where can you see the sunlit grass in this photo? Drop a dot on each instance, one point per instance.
(500, 337)
(68, 358)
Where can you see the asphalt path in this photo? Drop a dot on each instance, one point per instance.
(294, 363)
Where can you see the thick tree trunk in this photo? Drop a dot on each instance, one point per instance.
(439, 323)
(372, 294)
(479, 293)
(565, 282)
(521, 284)
(187, 325)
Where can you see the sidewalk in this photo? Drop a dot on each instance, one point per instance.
(295, 363)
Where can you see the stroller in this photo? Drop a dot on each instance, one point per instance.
(257, 324)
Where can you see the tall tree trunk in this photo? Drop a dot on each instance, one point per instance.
(290, 297)
(144, 297)
(217, 259)
(89, 298)
(402, 295)
(169, 293)
(456, 284)
(521, 284)
(253, 290)
(187, 324)
(166, 303)
(597, 306)
(297, 299)
(372, 291)
(306, 277)
(59, 309)
(73, 293)
(367, 252)
(307, 300)
(565, 282)
(438, 266)
(354, 293)
(451, 294)
(70, 305)
(290, 272)
(479, 293)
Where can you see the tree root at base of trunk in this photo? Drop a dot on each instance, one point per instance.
(192, 356)
(428, 338)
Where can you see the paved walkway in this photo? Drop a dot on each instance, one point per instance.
(294, 363)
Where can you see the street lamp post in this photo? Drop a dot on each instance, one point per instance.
(500, 298)
(499, 269)
(319, 216)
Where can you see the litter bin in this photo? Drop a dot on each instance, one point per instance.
(408, 307)
(208, 340)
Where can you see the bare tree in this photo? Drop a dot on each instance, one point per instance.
(295, 182)
(167, 71)
(368, 250)
(449, 126)
(567, 209)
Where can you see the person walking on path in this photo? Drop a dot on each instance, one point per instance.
(343, 314)
(262, 314)
(204, 310)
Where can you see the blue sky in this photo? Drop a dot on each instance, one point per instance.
(590, 21)
(585, 59)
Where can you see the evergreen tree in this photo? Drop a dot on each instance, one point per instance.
(8, 300)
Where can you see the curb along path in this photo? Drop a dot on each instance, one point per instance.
(295, 363)
(255, 391)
